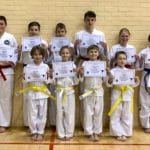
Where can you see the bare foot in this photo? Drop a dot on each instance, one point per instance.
(62, 138)
(92, 138)
(2, 129)
(96, 138)
(122, 138)
(68, 138)
(39, 137)
(147, 130)
(34, 137)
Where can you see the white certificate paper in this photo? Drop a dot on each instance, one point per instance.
(58, 42)
(63, 69)
(57, 57)
(147, 58)
(7, 53)
(35, 74)
(88, 40)
(125, 77)
(130, 54)
(148, 82)
(94, 68)
(29, 42)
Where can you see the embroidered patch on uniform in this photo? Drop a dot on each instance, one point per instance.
(6, 42)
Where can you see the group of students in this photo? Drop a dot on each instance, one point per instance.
(61, 107)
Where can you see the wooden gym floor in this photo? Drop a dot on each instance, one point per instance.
(20, 139)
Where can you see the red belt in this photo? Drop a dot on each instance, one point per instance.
(2, 73)
(128, 66)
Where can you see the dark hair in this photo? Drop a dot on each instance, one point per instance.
(4, 19)
(34, 23)
(149, 38)
(90, 14)
(66, 47)
(120, 52)
(124, 30)
(61, 26)
(39, 49)
(92, 47)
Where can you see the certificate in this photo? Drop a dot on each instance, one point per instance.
(88, 40)
(29, 42)
(57, 57)
(125, 77)
(35, 74)
(63, 69)
(58, 42)
(130, 54)
(94, 68)
(7, 53)
(148, 82)
(147, 58)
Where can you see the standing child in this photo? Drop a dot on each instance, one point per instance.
(93, 103)
(145, 88)
(7, 40)
(33, 30)
(124, 36)
(121, 116)
(60, 31)
(89, 30)
(65, 94)
(37, 100)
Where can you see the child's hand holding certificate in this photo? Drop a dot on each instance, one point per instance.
(35, 74)
(59, 42)
(88, 40)
(29, 42)
(7, 53)
(130, 54)
(63, 69)
(125, 77)
(94, 68)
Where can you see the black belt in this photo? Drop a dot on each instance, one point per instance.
(145, 77)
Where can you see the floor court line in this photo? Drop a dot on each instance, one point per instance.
(68, 143)
(52, 139)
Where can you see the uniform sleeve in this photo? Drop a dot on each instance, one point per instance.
(111, 53)
(142, 52)
(108, 78)
(14, 46)
(44, 43)
(103, 37)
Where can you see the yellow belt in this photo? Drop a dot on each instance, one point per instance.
(41, 89)
(122, 90)
(89, 92)
(63, 92)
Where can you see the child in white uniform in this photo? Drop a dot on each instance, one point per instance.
(6, 76)
(89, 29)
(124, 36)
(93, 104)
(25, 57)
(145, 88)
(37, 100)
(121, 118)
(65, 95)
(60, 31)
